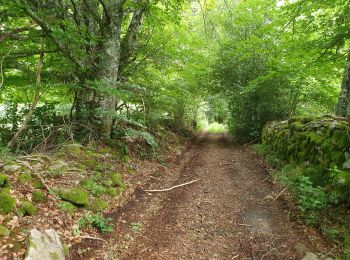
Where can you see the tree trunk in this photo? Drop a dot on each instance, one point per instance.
(36, 99)
(343, 106)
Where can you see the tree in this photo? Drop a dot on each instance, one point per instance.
(99, 37)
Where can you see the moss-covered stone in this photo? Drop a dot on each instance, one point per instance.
(38, 196)
(7, 203)
(12, 168)
(76, 196)
(4, 181)
(98, 205)
(4, 231)
(27, 208)
(24, 178)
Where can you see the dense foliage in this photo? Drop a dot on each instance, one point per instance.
(98, 67)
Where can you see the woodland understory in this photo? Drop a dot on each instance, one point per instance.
(96, 94)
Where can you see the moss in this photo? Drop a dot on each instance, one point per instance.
(38, 196)
(117, 180)
(7, 203)
(24, 178)
(316, 138)
(4, 231)
(112, 192)
(38, 184)
(90, 163)
(340, 138)
(54, 256)
(98, 205)
(76, 196)
(107, 183)
(73, 150)
(27, 208)
(4, 181)
(67, 207)
(65, 249)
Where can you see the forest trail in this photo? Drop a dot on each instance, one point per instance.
(230, 213)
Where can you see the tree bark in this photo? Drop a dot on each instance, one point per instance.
(343, 106)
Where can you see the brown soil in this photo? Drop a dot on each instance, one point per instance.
(230, 213)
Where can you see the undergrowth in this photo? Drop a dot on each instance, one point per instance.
(322, 202)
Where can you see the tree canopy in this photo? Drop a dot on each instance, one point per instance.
(78, 68)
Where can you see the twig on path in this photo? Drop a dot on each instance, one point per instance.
(224, 163)
(280, 193)
(235, 257)
(174, 187)
(252, 141)
(246, 225)
(268, 177)
(88, 237)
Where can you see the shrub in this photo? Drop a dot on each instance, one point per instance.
(96, 220)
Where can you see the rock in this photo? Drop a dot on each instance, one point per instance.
(12, 168)
(44, 245)
(58, 165)
(310, 256)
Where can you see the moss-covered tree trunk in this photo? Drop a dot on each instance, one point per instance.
(343, 106)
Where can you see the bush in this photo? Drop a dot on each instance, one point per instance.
(97, 220)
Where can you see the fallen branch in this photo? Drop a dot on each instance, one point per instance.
(38, 175)
(280, 193)
(245, 225)
(174, 187)
(88, 237)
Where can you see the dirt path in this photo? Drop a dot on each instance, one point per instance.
(229, 213)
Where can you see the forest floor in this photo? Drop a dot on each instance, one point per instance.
(233, 211)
